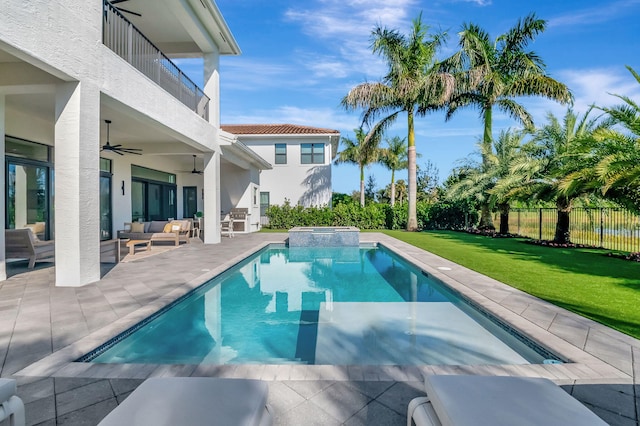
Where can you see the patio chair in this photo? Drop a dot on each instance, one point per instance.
(226, 226)
(11, 407)
(497, 400)
(22, 244)
(191, 401)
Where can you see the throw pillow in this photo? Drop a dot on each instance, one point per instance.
(137, 227)
(175, 228)
(167, 228)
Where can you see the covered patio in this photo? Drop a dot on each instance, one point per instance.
(44, 327)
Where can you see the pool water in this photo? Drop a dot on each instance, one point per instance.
(339, 306)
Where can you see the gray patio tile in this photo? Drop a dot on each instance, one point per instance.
(40, 410)
(35, 390)
(283, 398)
(607, 397)
(307, 413)
(397, 397)
(610, 418)
(340, 401)
(636, 364)
(308, 388)
(377, 414)
(372, 389)
(83, 396)
(66, 384)
(618, 355)
(124, 386)
(539, 315)
(89, 415)
(571, 330)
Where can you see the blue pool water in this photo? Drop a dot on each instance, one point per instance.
(339, 306)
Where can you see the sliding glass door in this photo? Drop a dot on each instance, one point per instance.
(153, 194)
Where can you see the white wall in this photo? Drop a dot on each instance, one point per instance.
(306, 184)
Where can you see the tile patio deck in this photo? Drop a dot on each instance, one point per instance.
(43, 328)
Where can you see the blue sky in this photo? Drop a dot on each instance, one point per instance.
(299, 58)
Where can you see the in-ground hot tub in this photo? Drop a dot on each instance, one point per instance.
(321, 236)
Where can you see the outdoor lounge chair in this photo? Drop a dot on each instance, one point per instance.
(191, 401)
(226, 226)
(497, 400)
(22, 244)
(11, 407)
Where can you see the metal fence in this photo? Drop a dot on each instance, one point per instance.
(121, 36)
(611, 228)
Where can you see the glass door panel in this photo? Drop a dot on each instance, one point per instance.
(27, 198)
(105, 208)
(138, 201)
(190, 201)
(155, 202)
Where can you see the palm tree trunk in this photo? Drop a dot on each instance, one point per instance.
(361, 186)
(504, 218)
(563, 204)
(486, 221)
(393, 188)
(412, 219)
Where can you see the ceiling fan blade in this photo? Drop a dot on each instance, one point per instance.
(118, 1)
(128, 11)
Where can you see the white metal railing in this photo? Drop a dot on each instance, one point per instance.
(121, 36)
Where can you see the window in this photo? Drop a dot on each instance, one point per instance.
(312, 153)
(264, 203)
(105, 199)
(281, 153)
(153, 194)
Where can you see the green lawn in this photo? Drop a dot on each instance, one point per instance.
(584, 281)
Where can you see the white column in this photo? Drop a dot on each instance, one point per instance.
(212, 86)
(211, 191)
(3, 189)
(77, 189)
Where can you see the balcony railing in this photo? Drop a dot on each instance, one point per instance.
(130, 44)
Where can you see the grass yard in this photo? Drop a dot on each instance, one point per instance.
(584, 281)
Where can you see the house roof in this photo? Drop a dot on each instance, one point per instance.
(276, 129)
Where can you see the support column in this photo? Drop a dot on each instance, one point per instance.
(212, 86)
(3, 189)
(211, 190)
(77, 188)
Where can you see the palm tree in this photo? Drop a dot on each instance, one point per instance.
(493, 185)
(493, 73)
(394, 157)
(559, 150)
(362, 151)
(413, 85)
(618, 153)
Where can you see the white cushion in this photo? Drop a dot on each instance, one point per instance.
(508, 401)
(190, 401)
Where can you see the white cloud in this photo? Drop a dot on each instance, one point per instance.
(330, 118)
(597, 14)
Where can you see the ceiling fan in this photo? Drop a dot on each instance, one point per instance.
(195, 171)
(118, 149)
(114, 2)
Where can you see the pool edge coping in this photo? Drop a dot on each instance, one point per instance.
(587, 366)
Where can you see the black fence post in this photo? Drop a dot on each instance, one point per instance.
(540, 224)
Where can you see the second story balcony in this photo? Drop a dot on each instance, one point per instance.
(121, 36)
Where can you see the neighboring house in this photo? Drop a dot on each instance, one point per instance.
(68, 67)
(301, 158)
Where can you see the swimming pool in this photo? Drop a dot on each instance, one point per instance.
(339, 306)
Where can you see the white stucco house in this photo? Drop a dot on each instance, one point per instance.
(79, 78)
(301, 157)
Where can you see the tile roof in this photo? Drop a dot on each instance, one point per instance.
(274, 129)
